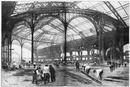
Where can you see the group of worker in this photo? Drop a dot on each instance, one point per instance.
(115, 64)
(45, 74)
(48, 72)
(86, 68)
(99, 72)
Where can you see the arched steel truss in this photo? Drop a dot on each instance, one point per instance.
(59, 10)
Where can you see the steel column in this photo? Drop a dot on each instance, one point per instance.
(81, 55)
(10, 48)
(36, 55)
(70, 55)
(92, 53)
(88, 55)
(32, 32)
(121, 49)
(21, 52)
(8, 51)
(65, 34)
(100, 38)
(65, 43)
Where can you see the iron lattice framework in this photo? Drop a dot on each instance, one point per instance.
(59, 10)
(40, 14)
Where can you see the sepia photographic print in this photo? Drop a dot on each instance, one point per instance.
(64, 43)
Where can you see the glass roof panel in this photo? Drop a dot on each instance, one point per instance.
(81, 5)
(39, 31)
(126, 8)
(36, 33)
(22, 6)
(70, 15)
(23, 32)
(52, 29)
(127, 22)
(74, 22)
(101, 9)
(105, 7)
(29, 37)
(20, 28)
(124, 2)
(47, 27)
(70, 31)
(87, 4)
(107, 28)
(56, 22)
(77, 37)
(112, 15)
(115, 4)
(122, 13)
(61, 27)
(94, 2)
(100, 6)
(73, 37)
(81, 26)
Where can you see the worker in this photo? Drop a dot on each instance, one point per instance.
(52, 73)
(87, 69)
(46, 73)
(35, 75)
(77, 65)
(99, 73)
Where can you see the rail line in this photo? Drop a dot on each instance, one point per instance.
(81, 79)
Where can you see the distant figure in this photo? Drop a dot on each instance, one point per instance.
(116, 64)
(125, 64)
(99, 73)
(35, 75)
(29, 64)
(113, 63)
(111, 66)
(20, 66)
(52, 73)
(34, 64)
(108, 62)
(39, 67)
(77, 65)
(83, 67)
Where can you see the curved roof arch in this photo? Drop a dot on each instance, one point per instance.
(82, 27)
(49, 26)
(16, 40)
(20, 22)
(22, 31)
(42, 16)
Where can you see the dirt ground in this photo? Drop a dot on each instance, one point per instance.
(23, 78)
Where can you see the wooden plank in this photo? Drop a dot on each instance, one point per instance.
(79, 78)
(94, 79)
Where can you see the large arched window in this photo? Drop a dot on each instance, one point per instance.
(126, 52)
(16, 52)
(26, 52)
